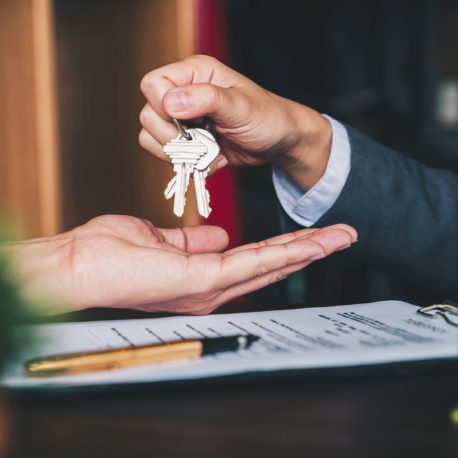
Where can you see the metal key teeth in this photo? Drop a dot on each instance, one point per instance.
(191, 156)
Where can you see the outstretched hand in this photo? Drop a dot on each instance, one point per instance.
(122, 261)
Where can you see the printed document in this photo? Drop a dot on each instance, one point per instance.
(309, 338)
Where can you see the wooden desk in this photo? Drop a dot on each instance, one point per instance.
(389, 416)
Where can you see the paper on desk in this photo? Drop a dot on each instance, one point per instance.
(349, 335)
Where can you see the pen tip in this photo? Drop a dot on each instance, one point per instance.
(250, 339)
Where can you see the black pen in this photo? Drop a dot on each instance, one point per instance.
(77, 363)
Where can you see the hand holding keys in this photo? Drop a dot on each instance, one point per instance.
(191, 152)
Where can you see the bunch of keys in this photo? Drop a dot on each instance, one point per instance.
(191, 152)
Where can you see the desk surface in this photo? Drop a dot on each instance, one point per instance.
(389, 416)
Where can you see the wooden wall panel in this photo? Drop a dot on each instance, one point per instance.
(56, 173)
(104, 49)
(162, 41)
(28, 131)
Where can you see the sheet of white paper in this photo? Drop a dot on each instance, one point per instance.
(349, 335)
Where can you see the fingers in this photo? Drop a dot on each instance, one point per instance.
(351, 230)
(273, 260)
(193, 70)
(158, 82)
(245, 265)
(192, 102)
(189, 90)
(202, 99)
(284, 238)
(334, 238)
(259, 282)
(156, 132)
(277, 240)
(160, 129)
(202, 305)
(197, 239)
(152, 145)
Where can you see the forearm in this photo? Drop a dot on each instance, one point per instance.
(307, 158)
(40, 266)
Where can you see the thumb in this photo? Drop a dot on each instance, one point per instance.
(197, 239)
(201, 99)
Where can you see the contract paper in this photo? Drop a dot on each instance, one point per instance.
(310, 338)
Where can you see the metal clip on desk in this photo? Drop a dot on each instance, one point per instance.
(443, 310)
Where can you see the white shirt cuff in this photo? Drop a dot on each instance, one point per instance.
(306, 209)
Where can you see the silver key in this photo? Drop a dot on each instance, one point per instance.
(212, 148)
(174, 146)
(203, 196)
(202, 168)
(170, 189)
(180, 188)
(184, 155)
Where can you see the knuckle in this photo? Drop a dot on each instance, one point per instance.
(144, 115)
(214, 93)
(201, 59)
(146, 83)
(210, 97)
(262, 270)
(194, 58)
(142, 138)
(278, 276)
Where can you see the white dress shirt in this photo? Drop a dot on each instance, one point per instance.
(307, 208)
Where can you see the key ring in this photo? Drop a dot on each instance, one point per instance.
(180, 129)
(207, 124)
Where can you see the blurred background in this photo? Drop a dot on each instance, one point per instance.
(70, 73)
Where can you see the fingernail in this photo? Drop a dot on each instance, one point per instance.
(176, 100)
(344, 247)
(316, 257)
(221, 163)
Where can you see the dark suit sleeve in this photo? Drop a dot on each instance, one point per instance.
(405, 214)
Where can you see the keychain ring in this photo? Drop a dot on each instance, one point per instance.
(180, 129)
(207, 124)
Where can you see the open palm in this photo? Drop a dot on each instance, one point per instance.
(124, 261)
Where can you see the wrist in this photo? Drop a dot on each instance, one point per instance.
(40, 266)
(311, 137)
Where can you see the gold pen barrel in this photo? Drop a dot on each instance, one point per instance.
(113, 359)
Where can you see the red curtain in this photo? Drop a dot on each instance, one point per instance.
(211, 39)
